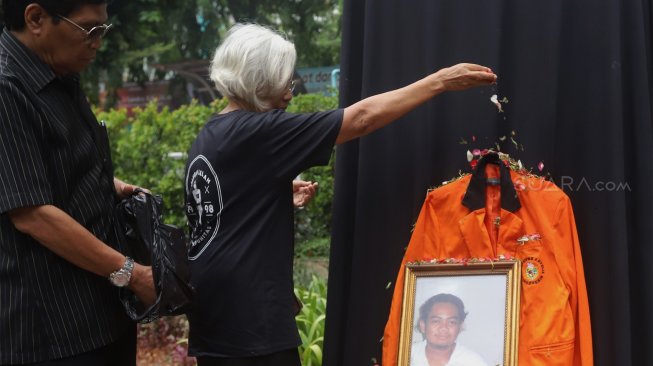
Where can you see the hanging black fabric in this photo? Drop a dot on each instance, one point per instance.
(151, 242)
(475, 195)
(578, 76)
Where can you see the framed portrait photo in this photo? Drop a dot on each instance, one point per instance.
(460, 313)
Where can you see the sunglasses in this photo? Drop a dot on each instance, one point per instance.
(93, 34)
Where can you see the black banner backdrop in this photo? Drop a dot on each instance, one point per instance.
(578, 77)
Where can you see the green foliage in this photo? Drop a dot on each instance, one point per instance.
(310, 321)
(306, 103)
(316, 247)
(316, 33)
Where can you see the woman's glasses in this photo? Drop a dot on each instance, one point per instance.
(291, 86)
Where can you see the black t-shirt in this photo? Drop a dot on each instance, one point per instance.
(239, 206)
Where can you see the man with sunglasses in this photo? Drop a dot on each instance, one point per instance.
(60, 271)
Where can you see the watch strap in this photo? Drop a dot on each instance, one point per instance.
(125, 270)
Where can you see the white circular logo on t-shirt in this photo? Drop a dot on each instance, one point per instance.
(203, 206)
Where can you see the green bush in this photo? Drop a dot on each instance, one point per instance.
(310, 321)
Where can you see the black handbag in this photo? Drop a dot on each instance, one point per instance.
(150, 242)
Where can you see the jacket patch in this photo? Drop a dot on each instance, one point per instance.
(532, 270)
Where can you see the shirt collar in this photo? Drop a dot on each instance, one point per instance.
(475, 196)
(35, 72)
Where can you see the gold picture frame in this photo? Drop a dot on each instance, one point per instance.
(488, 294)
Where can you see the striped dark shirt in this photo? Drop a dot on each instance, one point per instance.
(52, 152)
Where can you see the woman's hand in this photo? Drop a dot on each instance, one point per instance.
(464, 76)
(303, 192)
(379, 110)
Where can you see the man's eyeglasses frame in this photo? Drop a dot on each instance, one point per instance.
(96, 33)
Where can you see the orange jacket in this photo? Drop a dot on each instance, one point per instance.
(554, 311)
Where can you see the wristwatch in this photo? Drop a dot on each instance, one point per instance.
(122, 276)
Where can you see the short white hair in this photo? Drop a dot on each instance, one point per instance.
(253, 65)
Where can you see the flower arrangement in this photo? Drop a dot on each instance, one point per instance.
(526, 238)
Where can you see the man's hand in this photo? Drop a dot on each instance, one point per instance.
(303, 192)
(124, 190)
(142, 284)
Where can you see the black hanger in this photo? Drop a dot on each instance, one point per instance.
(475, 196)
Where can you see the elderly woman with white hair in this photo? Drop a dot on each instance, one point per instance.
(239, 192)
